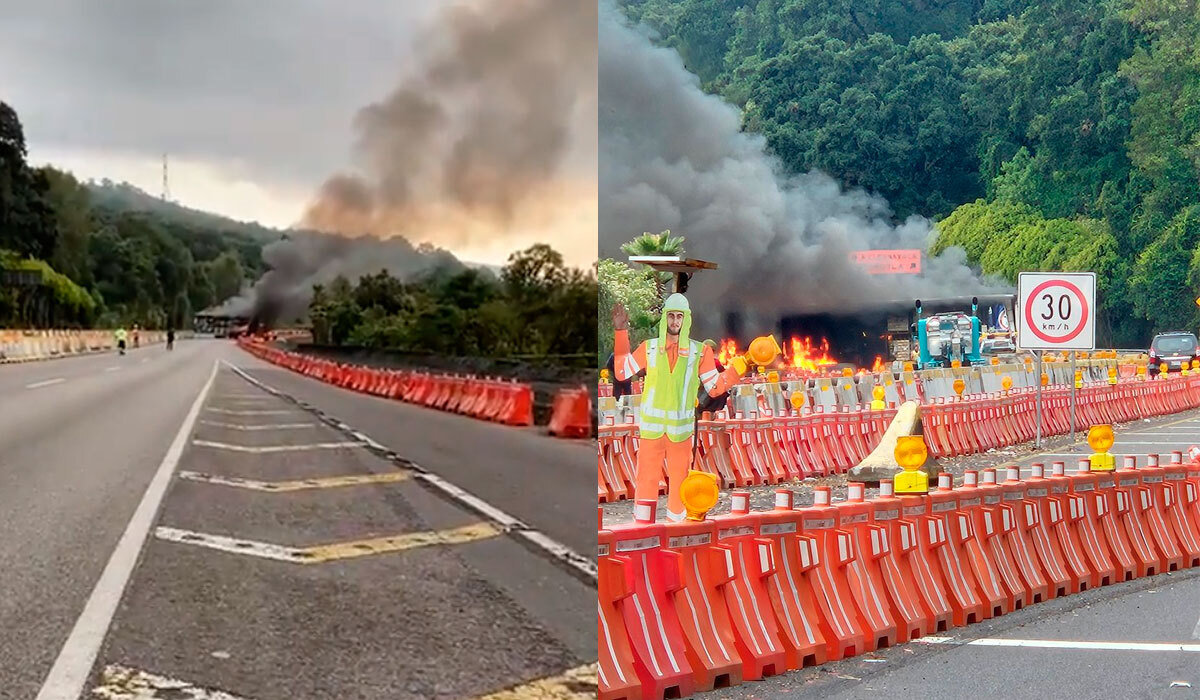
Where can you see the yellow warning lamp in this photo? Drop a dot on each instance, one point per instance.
(1100, 438)
(995, 361)
(698, 492)
(1045, 379)
(1081, 355)
(1112, 375)
(763, 350)
(797, 400)
(1078, 379)
(762, 371)
(908, 366)
(1195, 364)
(1006, 382)
(910, 453)
(955, 364)
(773, 377)
(847, 372)
(1162, 369)
(1141, 373)
(959, 386)
(604, 376)
(878, 394)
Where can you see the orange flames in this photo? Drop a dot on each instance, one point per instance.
(804, 356)
(797, 353)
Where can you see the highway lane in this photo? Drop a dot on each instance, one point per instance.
(452, 618)
(75, 458)
(541, 480)
(36, 375)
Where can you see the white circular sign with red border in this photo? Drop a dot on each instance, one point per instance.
(1056, 311)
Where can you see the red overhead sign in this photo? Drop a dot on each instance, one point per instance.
(889, 262)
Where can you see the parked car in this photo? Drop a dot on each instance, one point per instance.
(1173, 348)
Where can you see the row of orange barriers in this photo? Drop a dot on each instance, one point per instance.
(979, 423)
(495, 400)
(686, 607)
(35, 345)
(771, 449)
(759, 449)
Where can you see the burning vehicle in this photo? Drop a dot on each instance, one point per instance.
(933, 334)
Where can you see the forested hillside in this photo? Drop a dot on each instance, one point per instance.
(1062, 134)
(110, 254)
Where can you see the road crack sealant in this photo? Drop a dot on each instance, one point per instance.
(578, 565)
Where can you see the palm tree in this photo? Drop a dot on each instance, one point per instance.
(656, 244)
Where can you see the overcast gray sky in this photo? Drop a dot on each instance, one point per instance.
(254, 100)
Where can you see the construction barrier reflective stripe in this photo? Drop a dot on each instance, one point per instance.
(495, 400)
(686, 607)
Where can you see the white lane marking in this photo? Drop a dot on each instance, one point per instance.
(70, 671)
(1064, 644)
(112, 369)
(1125, 443)
(233, 412)
(123, 682)
(265, 550)
(264, 426)
(1196, 630)
(276, 448)
(586, 565)
(48, 382)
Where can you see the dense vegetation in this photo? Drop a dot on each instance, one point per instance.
(536, 307)
(1040, 134)
(105, 255)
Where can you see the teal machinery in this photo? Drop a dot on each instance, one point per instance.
(943, 338)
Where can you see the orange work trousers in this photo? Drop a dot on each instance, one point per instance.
(651, 456)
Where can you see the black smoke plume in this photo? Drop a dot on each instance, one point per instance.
(471, 145)
(674, 157)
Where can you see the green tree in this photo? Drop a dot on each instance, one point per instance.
(227, 276)
(651, 244)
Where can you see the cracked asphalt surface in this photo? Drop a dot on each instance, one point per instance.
(440, 621)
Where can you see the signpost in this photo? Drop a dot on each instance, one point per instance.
(1056, 311)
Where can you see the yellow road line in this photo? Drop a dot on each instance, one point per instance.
(299, 484)
(331, 552)
(399, 543)
(575, 684)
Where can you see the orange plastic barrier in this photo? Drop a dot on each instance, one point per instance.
(495, 400)
(571, 413)
(685, 607)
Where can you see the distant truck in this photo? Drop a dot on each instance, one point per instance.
(946, 337)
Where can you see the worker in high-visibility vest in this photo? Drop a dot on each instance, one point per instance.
(676, 367)
(120, 335)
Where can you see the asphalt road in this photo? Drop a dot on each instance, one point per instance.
(285, 560)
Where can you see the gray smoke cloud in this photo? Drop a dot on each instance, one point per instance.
(479, 132)
(674, 158)
(476, 139)
(304, 259)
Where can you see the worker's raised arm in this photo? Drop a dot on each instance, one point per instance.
(717, 383)
(626, 364)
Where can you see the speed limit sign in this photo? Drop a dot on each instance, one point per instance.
(1056, 310)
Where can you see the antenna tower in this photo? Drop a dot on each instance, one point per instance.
(166, 189)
